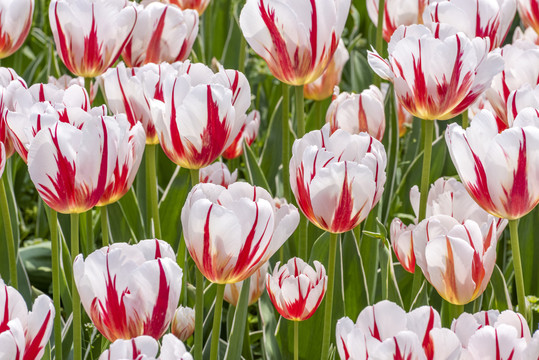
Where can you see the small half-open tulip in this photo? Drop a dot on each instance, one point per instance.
(217, 173)
(256, 287)
(129, 290)
(397, 13)
(183, 323)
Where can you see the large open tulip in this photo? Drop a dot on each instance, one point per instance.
(90, 34)
(337, 179)
(230, 233)
(529, 13)
(23, 334)
(15, 23)
(296, 289)
(130, 290)
(322, 87)
(397, 13)
(479, 153)
(481, 18)
(296, 39)
(355, 113)
(146, 347)
(437, 73)
(501, 342)
(162, 33)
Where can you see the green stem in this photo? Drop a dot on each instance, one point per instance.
(12, 252)
(286, 141)
(328, 326)
(104, 226)
(425, 173)
(56, 291)
(303, 237)
(300, 111)
(517, 264)
(380, 36)
(194, 176)
(454, 312)
(318, 117)
(465, 119)
(88, 244)
(243, 47)
(151, 178)
(199, 315)
(77, 324)
(215, 333)
(296, 340)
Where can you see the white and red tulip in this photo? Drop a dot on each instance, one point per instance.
(10, 83)
(489, 342)
(162, 33)
(23, 334)
(183, 323)
(296, 289)
(230, 233)
(256, 287)
(129, 290)
(146, 348)
(297, 40)
(247, 134)
(337, 178)
(90, 34)
(479, 153)
(217, 173)
(437, 73)
(488, 19)
(529, 13)
(322, 87)
(355, 113)
(15, 24)
(198, 5)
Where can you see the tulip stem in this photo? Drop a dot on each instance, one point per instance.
(151, 178)
(56, 293)
(517, 264)
(380, 36)
(425, 173)
(12, 252)
(215, 333)
(199, 314)
(320, 120)
(243, 46)
(286, 141)
(77, 325)
(104, 226)
(333, 239)
(465, 119)
(300, 112)
(296, 340)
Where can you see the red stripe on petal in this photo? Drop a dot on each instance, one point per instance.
(153, 52)
(157, 324)
(36, 344)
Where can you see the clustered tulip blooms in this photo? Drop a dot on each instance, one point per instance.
(146, 347)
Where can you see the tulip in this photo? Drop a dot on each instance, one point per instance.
(65, 81)
(519, 99)
(495, 343)
(437, 73)
(198, 5)
(15, 23)
(521, 68)
(145, 347)
(532, 350)
(162, 33)
(129, 290)
(257, 286)
(529, 13)
(217, 173)
(296, 289)
(183, 323)
(527, 35)
(481, 18)
(297, 40)
(23, 334)
(357, 113)
(337, 179)
(230, 233)
(247, 134)
(198, 122)
(10, 82)
(323, 87)
(90, 34)
(397, 13)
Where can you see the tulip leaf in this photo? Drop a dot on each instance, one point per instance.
(131, 212)
(171, 204)
(235, 341)
(256, 176)
(270, 347)
(501, 293)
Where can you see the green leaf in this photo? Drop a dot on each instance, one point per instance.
(256, 176)
(235, 341)
(502, 298)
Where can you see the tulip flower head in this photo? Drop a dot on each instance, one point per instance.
(481, 18)
(230, 233)
(529, 13)
(23, 334)
(479, 152)
(162, 33)
(129, 290)
(217, 173)
(357, 113)
(90, 34)
(146, 347)
(437, 73)
(397, 13)
(247, 134)
(256, 287)
(337, 178)
(198, 5)
(528, 35)
(15, 24)
(183, 323)
(10, 83)
(296, 39)
(322, 87)
(296, 289)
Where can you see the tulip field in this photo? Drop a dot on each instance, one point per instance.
(269, 179)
